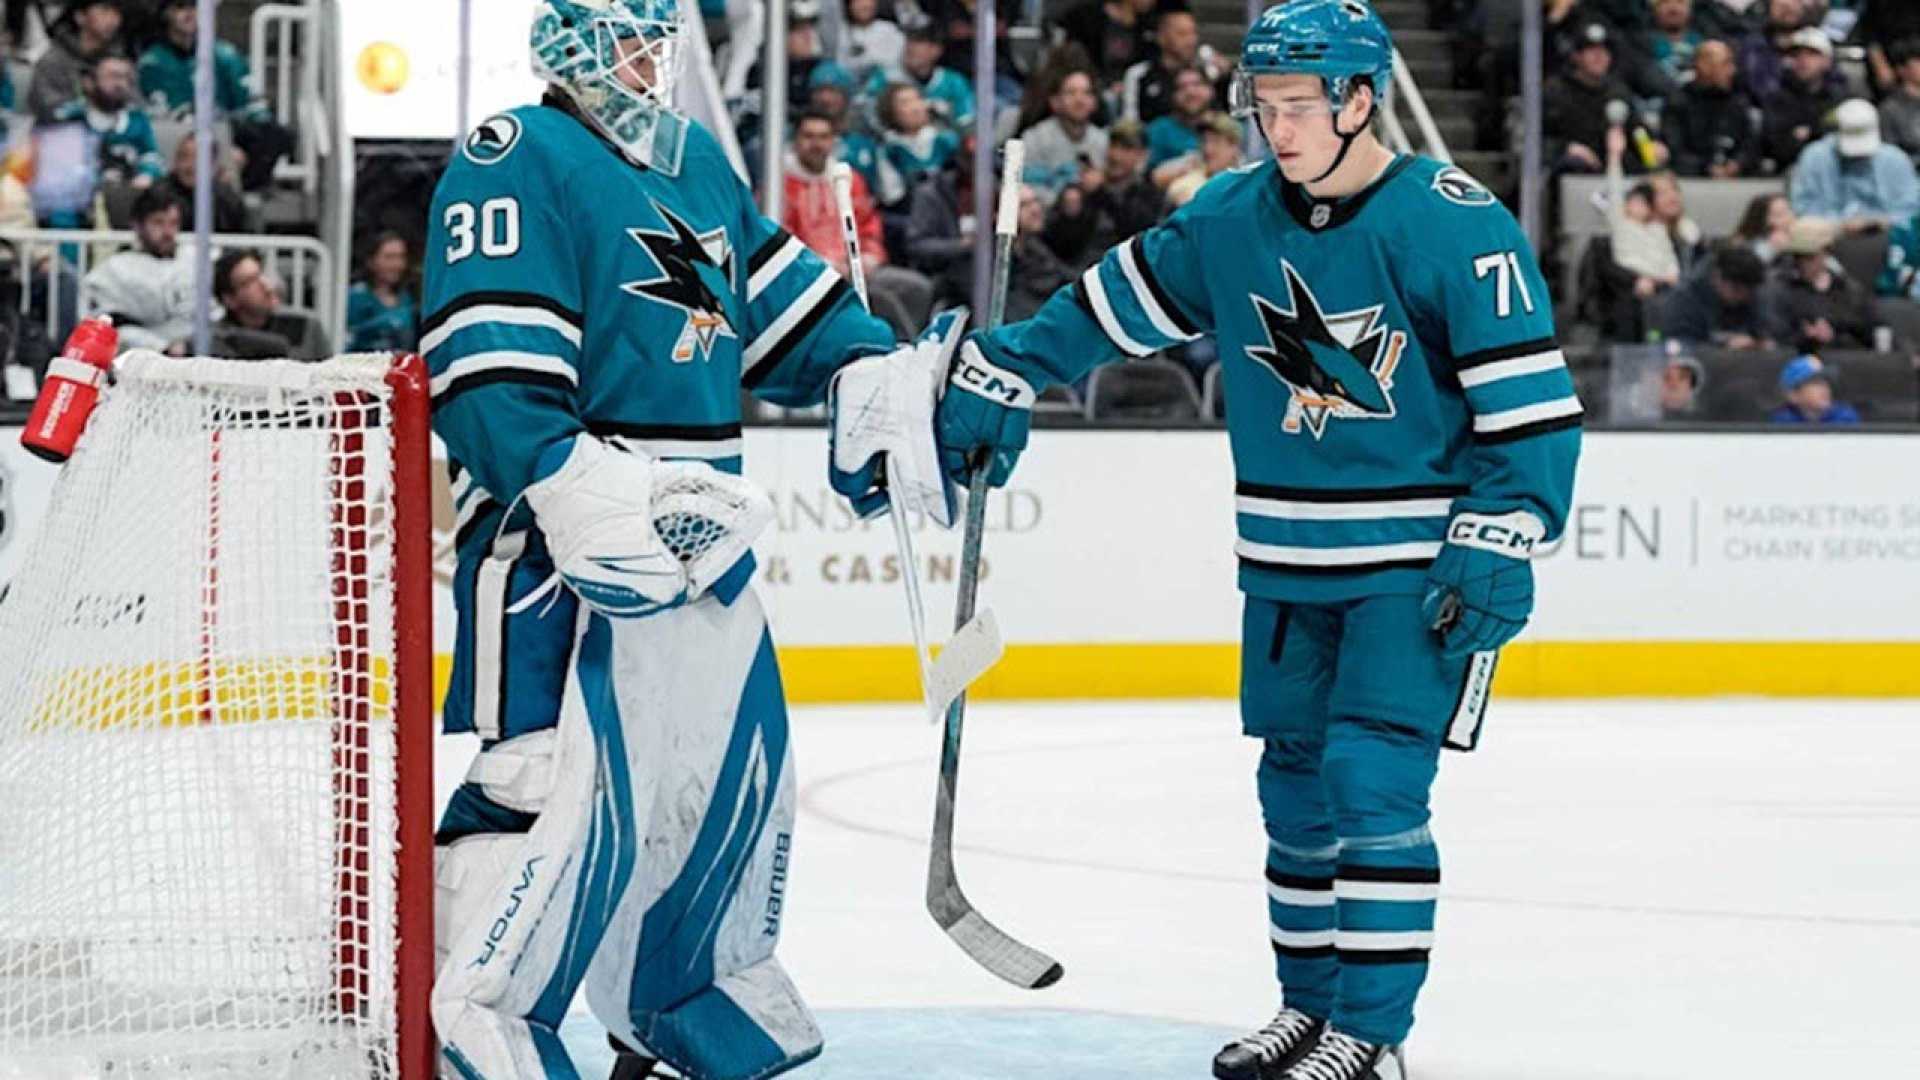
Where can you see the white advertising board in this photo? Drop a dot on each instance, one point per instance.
(402, 59)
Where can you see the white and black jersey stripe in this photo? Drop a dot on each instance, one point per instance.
(699, 442)
(780, 337)
(1492, 366)
(525, 366)
(1340, 506)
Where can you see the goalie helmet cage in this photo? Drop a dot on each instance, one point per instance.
(216, 732)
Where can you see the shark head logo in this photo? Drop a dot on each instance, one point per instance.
(680, 251)
(1335, 365)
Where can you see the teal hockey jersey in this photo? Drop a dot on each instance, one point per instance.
(1387, 360)
(568, 290)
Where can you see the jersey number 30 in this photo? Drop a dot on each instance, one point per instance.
(497, 235)
(1505, 268)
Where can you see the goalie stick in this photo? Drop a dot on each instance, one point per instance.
(991, 947)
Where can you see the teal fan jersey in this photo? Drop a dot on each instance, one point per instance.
(568, 290)
(1388, 360)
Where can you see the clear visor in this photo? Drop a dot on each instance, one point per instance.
(650, 50)
(1245, 105)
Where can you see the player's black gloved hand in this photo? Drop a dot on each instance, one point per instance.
(1480, 588)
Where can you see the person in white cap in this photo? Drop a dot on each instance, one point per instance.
(1854, 179)
(1810, 89)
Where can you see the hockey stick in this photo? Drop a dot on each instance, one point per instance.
(990, 946)
(975, 648)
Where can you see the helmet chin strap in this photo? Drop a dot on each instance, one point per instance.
(1346, 140)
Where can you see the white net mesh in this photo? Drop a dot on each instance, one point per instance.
(197, 824)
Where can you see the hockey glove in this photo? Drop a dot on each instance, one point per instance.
(880, 432)
(1480, 589)
(595, 504)
(986, 409)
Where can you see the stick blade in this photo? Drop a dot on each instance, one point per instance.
(991, 947)
(975, 648)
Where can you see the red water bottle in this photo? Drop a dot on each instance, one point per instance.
(71, 390)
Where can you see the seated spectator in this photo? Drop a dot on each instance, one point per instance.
(1883, 25)
(1763, 55)
(1709, 128)
(869, 42)
(1764, 225)
(898, 295)
(1089, 219)
(129, 154)
(1807, 386)
(230, 213)
(1901, 276)
(1674, 39)
(1575, 109)
(1811, 301)
(1067, 144)
(1670, 210)
(940, 228)
(947, 92)
(830, 92)
(1037, 271)
(1854, 179)
(1173, 141)
(1900, 109)
(953, 21)
(254, 327)
(1115, 34)
(1719, 307)
(913, 144)
(1794, 115)
(1221, 138)
(1729, 20)
(87, 31)
(1641, 245)
(383, 311)
(149, 291)
(166, 77)
(1680, 384)
(1146, 92)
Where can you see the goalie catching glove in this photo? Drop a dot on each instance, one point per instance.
(1480, 588)
(634, 536)
(880, 427)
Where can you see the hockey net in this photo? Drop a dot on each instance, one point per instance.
(215, 732)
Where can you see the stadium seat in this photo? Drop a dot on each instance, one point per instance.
(1150, 389)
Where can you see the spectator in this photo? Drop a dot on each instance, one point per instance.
(1811, 300)
(149, 291)
(383, 311)
(1884, 24)
(897, 295)
(254, 327)
(1114, 33)
(1900, 109)
(913, 144)
(953, 22)
(1037, 271)
(1795, 114)
(1764, 225)
(1718, 307)
(1729, 20)
(1670, 210)
(1763, 55)
(1146, 92)
(1709, 128)
(166, 77)
(948, 92)
(830, 92)
(940, 228)
(1576, 105)
(1853, 178)
(1221, 138)
(1680, 384)
(1067, 146)
(1901, 275)
(1807, 386)
(1173, 141)
(229, 208)
(87, 30)
(1086, 221)
(129, 155)
(1642, 247)
(1674, 39)
(870, 42)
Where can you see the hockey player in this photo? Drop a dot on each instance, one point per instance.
(600, 288)
(1404, 433)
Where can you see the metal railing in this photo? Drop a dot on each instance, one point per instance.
(283, 44)
(1409, 90)
(52, 265)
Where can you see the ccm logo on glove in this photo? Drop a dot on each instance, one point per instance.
(974, 373)
(1513, 535)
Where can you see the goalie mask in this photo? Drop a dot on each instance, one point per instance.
(618, 61)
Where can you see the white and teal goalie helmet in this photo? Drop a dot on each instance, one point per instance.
(591, 49)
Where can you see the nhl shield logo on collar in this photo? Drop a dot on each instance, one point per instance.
(1321, 213)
